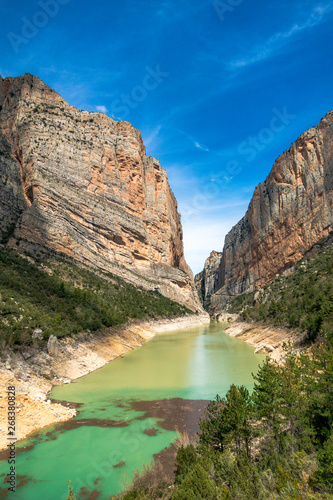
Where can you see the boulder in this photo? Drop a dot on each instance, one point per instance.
(53, 346)
(37, 334)
(47, 373)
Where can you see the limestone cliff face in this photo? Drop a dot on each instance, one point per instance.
(289, 213)
(81, 184)
(208, 281)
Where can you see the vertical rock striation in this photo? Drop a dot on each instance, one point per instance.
(208, 281)
(289, 213)
(80, 183)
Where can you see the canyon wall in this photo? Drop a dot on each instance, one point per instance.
(208, 281)
(80, 184)
(289, 213)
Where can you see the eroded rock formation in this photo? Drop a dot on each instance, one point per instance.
(80, 183)
(208, 281)
(289, 213)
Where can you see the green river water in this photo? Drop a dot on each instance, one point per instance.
(113, 426)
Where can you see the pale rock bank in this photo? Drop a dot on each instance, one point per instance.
(266, 339)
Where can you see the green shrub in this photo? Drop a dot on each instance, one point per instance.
(196, 486)
(68, 299)
(325, 464)
(186, 458)
(303, 300)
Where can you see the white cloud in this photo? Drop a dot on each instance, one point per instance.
(148, 140)
(206, 232)
(277, 41)
(200, 238)
(200, 146)
(102, 109)
(197, 144)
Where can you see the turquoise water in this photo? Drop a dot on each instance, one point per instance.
(111, 429)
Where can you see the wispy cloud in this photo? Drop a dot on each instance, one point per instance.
(277, 42)
(149, 139)
(102, 109)
(206, 229)
(196, 144)
(225, 206)
(200, 146)
(182, 176)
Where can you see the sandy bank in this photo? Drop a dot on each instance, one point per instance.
(266, 339)
(35, 371)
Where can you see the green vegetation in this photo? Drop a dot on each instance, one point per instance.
(276, 443)
(7, 234)
(61, 299)
(303, 300)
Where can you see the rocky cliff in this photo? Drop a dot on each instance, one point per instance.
(80, 183)
(208, 281)
(289, 213)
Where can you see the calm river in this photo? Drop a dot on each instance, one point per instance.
(128, 412)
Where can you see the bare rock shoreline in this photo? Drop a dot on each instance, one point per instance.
(33, 372)
(266, 339)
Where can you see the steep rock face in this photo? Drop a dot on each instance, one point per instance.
(289, 213)
(208, 281)
(81, 184)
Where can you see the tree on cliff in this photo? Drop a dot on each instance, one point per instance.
(227, 421)
(267, 400)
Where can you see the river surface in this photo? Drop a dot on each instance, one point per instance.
(129, 411)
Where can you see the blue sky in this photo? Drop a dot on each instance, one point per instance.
(218, 88)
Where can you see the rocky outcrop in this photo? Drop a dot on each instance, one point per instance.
(80, 184)
(208, 281)
(266, 339)
(53, 346)
(289, 213)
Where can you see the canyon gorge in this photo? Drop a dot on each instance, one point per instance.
(289, 213)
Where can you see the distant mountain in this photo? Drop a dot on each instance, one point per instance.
(289, 213)
(80, 184)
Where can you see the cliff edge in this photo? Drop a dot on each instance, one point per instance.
(290, 212)
(81, 184)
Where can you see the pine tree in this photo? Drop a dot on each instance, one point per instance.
(266, 398)
(197, 486)
(213, 428)
(293, 400)
(227, 420)
(325, 460)
(237, 415)
(185, 461)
